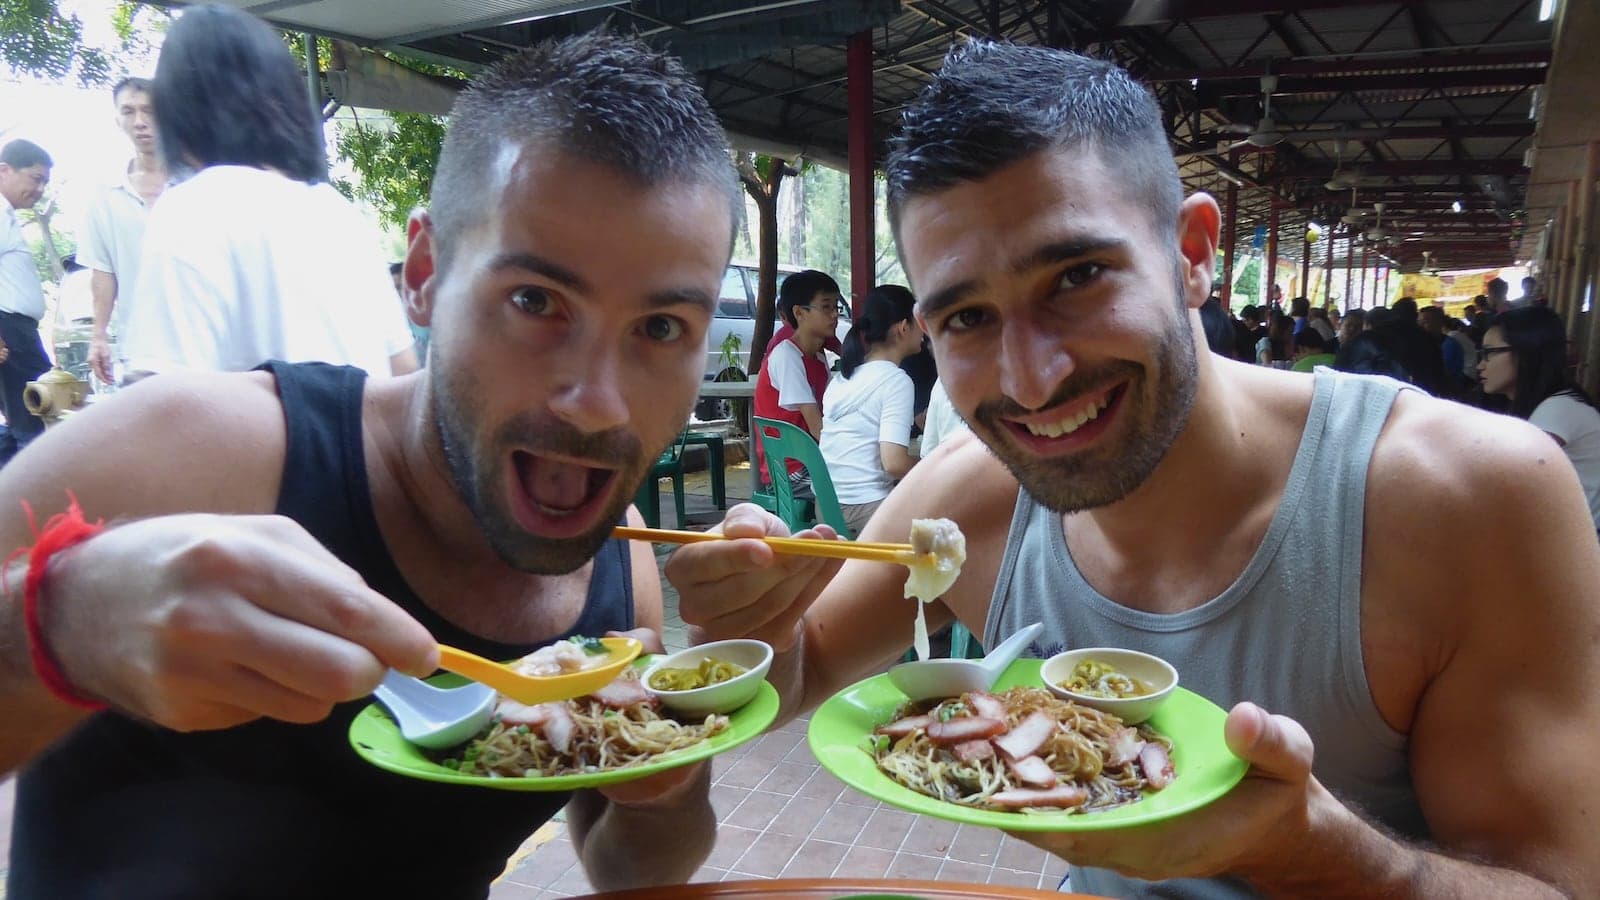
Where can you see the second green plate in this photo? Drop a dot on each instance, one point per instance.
(1206, 769)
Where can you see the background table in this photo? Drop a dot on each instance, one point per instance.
(739, 390)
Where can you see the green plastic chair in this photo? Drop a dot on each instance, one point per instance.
(668, 465)
(781, 442)
(716, 464)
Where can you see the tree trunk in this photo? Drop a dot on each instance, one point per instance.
(797, 230)
(764, 188)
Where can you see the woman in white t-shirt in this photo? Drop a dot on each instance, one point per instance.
(254, 256)
(1524, 358)
(868, 409)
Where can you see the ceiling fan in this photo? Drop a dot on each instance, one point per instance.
(1428, 268)
(1356, 216)
(1377, 233)
(1265, 133)
(1341, 180)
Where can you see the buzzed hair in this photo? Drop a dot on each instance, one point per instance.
(599, 97)
(131, 82)
(994, 103)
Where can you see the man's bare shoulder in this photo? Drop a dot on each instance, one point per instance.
(171, 443)
(1439, 458)
(961, 480)
(1448, 484)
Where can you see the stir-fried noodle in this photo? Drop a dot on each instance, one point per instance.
(1089, 749)
(601, 738)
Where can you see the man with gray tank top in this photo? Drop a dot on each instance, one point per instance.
(1272, 534)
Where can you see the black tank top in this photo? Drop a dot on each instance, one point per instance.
(123, 809)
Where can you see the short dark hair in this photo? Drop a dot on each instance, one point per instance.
(132, 82)
(1310, 339)
(1497, 285)
(227, 92)
(600, 97)
(799, 289)
(993, 104)
(1300, 307)
(1372, 352)
(23, 154)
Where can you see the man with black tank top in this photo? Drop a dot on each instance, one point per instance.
(1274, 535)
(280, 538)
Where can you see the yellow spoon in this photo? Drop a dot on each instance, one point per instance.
(542, 689)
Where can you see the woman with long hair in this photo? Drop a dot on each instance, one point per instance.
(868, 409)
(1524, 359)
(253, 255)
(1277, 348)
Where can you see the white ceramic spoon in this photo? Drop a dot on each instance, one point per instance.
(931, 679)
(435, 718)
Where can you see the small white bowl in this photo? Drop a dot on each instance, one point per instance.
(724, 697)
(1152, 670)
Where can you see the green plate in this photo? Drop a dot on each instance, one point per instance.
(1206, 769)
(377, 740)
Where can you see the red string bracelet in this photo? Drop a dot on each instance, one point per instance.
(60, 532)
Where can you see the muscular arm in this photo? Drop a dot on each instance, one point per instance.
(1524, 661)
(197, 610)
(656, 830)
(174, 459)
(1501, 657)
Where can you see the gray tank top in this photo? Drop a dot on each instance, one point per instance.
(1286, 634)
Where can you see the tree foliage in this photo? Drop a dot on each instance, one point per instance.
(37, 38)
(396, 164)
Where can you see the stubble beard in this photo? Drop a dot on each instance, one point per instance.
(1152, 415)
(480, 477)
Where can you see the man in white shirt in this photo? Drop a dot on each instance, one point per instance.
(24, 172)
(113, 228)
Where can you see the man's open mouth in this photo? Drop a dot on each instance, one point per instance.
(559, 497)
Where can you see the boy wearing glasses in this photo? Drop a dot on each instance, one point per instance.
(794, 373)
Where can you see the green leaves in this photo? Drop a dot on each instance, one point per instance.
(36, 38)
(396, 165)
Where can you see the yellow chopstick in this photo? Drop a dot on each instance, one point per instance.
(877, 552)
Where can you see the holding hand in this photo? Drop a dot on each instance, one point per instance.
(202, 622)
(1254, 827)
(741, 588)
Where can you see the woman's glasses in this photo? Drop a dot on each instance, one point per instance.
(1492, 352)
